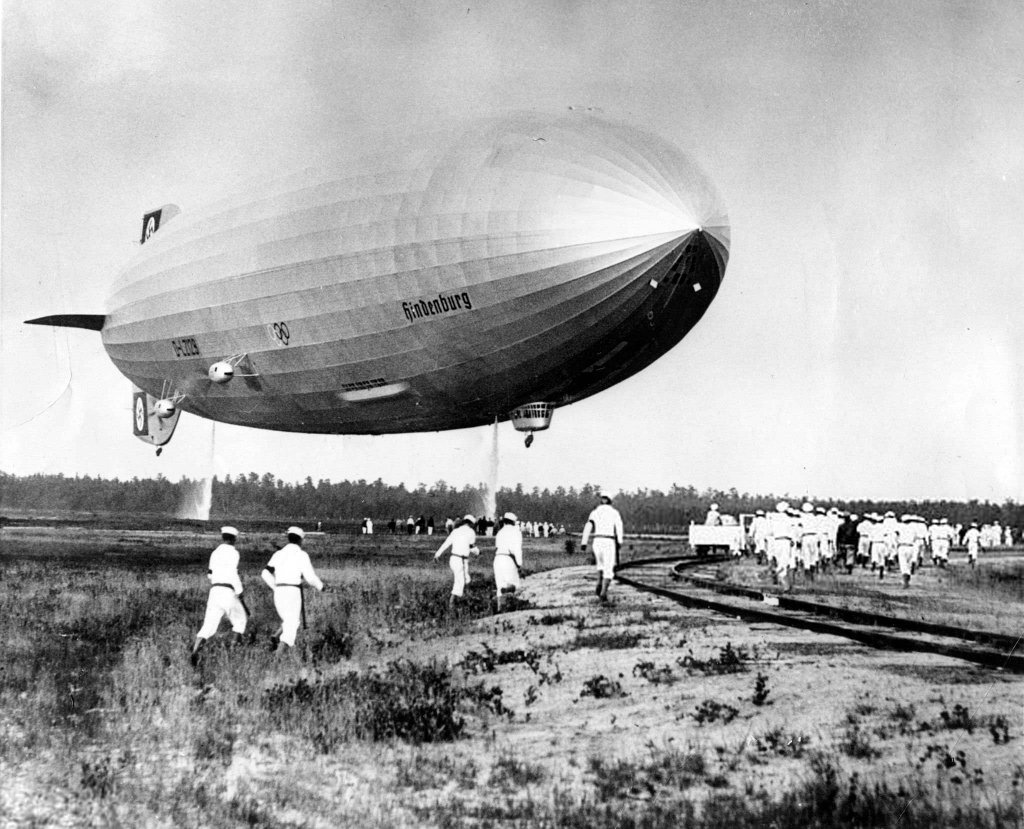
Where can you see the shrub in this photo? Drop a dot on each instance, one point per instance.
(730, 660)
(475, 662)
(610, 640)
(857, 743)
(410, 702)
(712, 710)
(653, 674)
(601, 687)
(760, 689)
(959, 718)
(331, 646)
(512, 773)
(784, 744)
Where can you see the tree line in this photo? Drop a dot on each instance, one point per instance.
(345, 503)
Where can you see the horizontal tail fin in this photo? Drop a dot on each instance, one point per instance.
(92, 322)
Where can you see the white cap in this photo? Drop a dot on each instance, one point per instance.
(468, 517)
(714, 506)
(510, 516)
(229, 531)
(782, 506)
(296, 531)
(808, 507)
(605, 495)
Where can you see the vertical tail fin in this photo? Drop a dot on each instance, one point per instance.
(152, 221)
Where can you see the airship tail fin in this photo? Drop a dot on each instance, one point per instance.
(152, 221)
(149, 423)
(92, 322)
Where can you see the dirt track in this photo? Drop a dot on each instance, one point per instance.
(880, 713)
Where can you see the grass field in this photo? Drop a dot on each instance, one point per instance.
(393, 713)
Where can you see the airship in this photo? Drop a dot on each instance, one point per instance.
(503, 270)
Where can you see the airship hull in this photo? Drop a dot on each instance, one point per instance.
(525, 259)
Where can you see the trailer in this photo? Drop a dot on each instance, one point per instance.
(725, 538)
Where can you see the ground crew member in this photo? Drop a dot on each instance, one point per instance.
(972, 540)
(864, 540)
(604, 525)
(832, 524)
(759, 535)
(781, 531)
(225, 592)
(890, 537)
(462, 543)
(810, 538)
(508, 557)
(713, 518)
(284, 574)
(848, 540)
(906, 547)
(941, 534)
(878, 546)
(920, 542)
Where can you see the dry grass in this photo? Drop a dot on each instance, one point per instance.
(393, 713)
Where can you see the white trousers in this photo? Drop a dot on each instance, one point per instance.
(222, 602)
(460, 574)
(940, 548)
(506, 574)
(781, 549)
(604, 556)
(907, 555)
(288, 604)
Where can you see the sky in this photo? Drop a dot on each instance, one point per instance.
(866, 339)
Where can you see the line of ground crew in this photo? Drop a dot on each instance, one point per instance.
(812, 539)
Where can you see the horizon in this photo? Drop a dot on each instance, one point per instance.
(705, 493)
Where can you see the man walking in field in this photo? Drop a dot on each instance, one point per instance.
(225, 597)
(462, 543)
(972, 540)
(508, 557)
(782, 531)
(284, 574)
(604, 525)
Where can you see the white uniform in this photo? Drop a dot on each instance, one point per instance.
(878, 547)
(604, 525)
(906, 546)
(972, 540)
(940, 534)
(781, 534)
(890, 533)
(462, 541)
(864, 540)
(759, 534)
(284, 573)
(225, 590)
(810, 539)
(508, 557)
